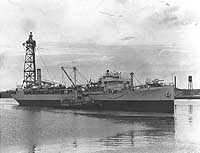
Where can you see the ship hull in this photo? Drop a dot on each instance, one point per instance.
(40, 103)
(164, 106)
(138, 106)
(148, 100)
(41, 100)
(159, 99)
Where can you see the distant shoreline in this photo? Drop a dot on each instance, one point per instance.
(6, 94)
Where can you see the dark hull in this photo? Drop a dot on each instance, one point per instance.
(41, 103)
(137, 106)
(166, 106)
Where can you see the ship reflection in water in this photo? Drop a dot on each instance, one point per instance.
(29, 130)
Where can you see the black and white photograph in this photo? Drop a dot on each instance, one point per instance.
(99, 76)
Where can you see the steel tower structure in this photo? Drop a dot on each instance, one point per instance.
(29, 64)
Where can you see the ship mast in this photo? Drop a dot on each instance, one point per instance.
(131, 79)
(29, 64)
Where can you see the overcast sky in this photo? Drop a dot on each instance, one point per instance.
(153, 38)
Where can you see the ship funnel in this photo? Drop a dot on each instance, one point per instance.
(39, 77)
(175, 82)
(190, 85)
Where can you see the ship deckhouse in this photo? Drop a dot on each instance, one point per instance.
(113, 81)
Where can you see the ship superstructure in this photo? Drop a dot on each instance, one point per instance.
(113, 81)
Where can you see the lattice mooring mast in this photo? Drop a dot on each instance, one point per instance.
(29, 64)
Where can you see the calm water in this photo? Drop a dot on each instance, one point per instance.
(39, 130)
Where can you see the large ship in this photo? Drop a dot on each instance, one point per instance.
(111, 91)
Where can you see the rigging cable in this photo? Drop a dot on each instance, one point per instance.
(82, 75)
(45, 65)
(137, 80)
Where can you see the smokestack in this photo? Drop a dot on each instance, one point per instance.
(175, 82)
(39, 77)
(190, 85)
